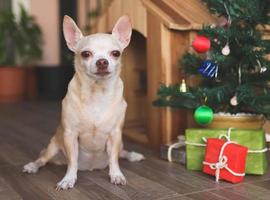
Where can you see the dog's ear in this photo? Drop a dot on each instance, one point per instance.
(72, 33)
(122, 31)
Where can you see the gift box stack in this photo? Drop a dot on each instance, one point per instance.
(228, 154)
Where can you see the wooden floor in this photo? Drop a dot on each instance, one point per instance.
(25, 129)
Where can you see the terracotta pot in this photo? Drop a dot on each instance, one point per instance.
(12, 84)
(241, 122)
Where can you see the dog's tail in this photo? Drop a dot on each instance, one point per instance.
(131, 156)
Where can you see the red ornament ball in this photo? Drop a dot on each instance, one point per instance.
(201, 44)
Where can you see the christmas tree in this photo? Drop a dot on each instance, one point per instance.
(235, 70)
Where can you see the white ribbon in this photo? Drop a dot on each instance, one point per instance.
(228, 138)
(180, 143)
(222, 163)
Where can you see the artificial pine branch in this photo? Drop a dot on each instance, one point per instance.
(247, 54)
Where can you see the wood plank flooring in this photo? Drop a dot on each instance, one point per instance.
(26, 128)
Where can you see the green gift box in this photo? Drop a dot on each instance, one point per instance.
(253, 139)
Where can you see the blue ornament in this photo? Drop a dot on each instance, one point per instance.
(208, 69)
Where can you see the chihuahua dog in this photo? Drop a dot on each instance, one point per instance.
(89, 135)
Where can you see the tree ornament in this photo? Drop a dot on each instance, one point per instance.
(201, 44)
(234, 101)
(183, 86)
(208, 69)
(203, 115)
(263, 69)
(226, 50)
(213, 26)
(224, 23)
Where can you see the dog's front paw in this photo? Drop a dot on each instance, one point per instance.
(30, 168)
(118, 178)
(66, 183)
(135, 157)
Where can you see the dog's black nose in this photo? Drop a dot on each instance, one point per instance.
(102, 64)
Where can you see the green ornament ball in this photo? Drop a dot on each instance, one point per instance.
(203, 115)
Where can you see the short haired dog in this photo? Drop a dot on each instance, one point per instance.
(89, 135)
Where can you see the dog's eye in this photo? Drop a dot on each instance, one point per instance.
(86, 54)
(116, 53)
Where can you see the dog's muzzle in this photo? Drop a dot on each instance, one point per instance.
(102, 67)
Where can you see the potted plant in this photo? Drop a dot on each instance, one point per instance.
(235, 71)
(20, 46)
